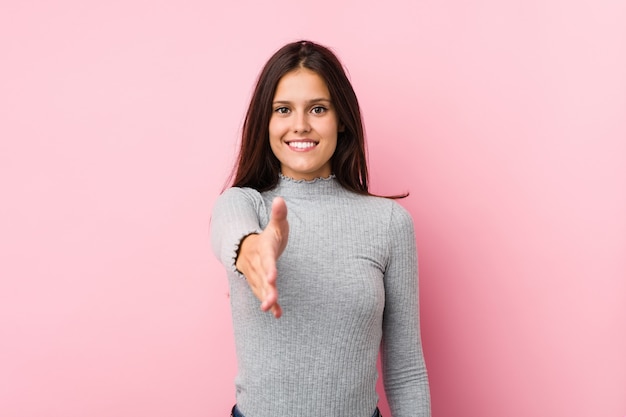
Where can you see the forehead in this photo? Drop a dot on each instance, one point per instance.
(301, 83)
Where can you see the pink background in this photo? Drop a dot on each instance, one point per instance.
(118, 123)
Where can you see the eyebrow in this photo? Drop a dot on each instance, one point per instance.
(315, 100)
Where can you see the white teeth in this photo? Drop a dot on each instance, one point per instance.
(302, 145)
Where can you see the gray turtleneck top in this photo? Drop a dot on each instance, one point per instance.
(347, 284)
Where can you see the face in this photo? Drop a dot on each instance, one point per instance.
(303, 127)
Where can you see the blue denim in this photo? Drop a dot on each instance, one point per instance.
(236, 413)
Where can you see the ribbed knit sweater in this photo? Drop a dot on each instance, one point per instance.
(347, 284)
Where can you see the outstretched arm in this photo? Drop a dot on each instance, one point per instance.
(258, 254)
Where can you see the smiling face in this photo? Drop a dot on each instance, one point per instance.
(303, 127)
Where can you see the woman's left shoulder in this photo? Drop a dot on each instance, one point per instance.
(400, 214)
(391, 209)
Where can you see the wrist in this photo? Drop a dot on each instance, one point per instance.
(241, 259)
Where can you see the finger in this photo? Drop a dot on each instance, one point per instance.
(269, 269)
(270, 298)
(276, 310)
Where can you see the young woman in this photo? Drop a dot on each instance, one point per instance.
(322, 273)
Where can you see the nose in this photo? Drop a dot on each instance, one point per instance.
(301, 123)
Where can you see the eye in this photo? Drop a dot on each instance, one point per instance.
(281, 110)
(318, 110)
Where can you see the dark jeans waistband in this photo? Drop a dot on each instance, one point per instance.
(236, 413)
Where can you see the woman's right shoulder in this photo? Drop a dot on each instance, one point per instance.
(240, 192)
(239, 196)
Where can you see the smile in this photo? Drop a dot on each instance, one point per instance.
(301, 145)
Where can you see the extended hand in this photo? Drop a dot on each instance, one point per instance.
(258, 254)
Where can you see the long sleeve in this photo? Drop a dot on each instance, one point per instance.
(235, 215)
(404, 370)
(347, 283)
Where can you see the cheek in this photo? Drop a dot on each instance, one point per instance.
(333, 127)
(276, 127)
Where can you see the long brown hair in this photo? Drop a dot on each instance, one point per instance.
(256, 166)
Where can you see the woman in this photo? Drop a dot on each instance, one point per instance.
(333, 267)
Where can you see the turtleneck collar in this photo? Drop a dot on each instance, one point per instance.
(290, 186)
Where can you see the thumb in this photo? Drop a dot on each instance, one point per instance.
(279, 210)
(278, 227)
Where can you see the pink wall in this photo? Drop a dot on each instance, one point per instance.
(118, 124)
